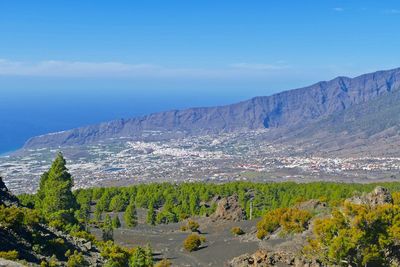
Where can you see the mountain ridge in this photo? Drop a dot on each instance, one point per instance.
(287, 109)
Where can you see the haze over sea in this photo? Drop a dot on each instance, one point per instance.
(25, 113)
(65, 64)
(31, 106)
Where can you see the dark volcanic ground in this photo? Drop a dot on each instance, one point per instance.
(167, 241)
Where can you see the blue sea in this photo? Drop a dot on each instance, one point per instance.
(27, 113)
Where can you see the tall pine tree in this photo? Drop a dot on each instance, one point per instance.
(55, 190)
(130, 215)
(151, 215)
(107, 229)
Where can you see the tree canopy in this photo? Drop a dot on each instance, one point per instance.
(55, 190)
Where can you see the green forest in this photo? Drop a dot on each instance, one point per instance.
(55, 204)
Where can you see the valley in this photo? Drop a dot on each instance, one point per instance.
(235, 156)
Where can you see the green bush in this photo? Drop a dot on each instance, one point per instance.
(77, 260)
(357, 235)
(11, 217)
(193, 226)
(163, 263)
(193, 242)
(15, 217)
(9, 255)
(291, 220)
(83, 234)
(237, 231)
(115, 255)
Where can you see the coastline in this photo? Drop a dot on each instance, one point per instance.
(7, 153)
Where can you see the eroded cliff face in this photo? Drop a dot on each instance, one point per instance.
(287, 109)
(6, 198)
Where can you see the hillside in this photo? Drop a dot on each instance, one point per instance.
(25, 237)
(200, 224)
(51, 228)
(290, 109)
(370, 128)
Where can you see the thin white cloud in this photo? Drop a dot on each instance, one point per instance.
(259, 66)
(338, 9)
(54, 68)
(71, 68)
(392, 11)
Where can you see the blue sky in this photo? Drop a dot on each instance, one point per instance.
(257, 46)
(65, 64)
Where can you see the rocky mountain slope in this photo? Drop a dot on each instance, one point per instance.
(290, 109)
(37, 242)
(369, 129)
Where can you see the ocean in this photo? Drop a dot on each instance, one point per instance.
(28, 113)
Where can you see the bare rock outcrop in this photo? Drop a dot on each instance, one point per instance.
(6, 198)
(229, 209)
(8, 263)
(263, 258)
(379, 196)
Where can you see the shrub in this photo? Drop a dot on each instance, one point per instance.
(16, 217)
(237, 231)
(261, 234)
(9, 255)
(193, 226)
(11, 217)
(115, 255)
(53, 261)
(357, 234)
(31, 217)
(193, 242)
(163, 263)
(396, 198)
(291, 220)
(84, 235)
(62, 219)
(166, 217)
(76, 260)
(27, 200)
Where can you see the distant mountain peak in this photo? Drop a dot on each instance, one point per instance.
(282, 110)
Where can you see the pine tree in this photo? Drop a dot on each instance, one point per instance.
(141, 257)
(149, 255)
(83, 214)
(193, 204)
(55, 190)
(130, 215)
(97, 213)
(151, 215)
(117, 203)
(107, 229)
(116, 223)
